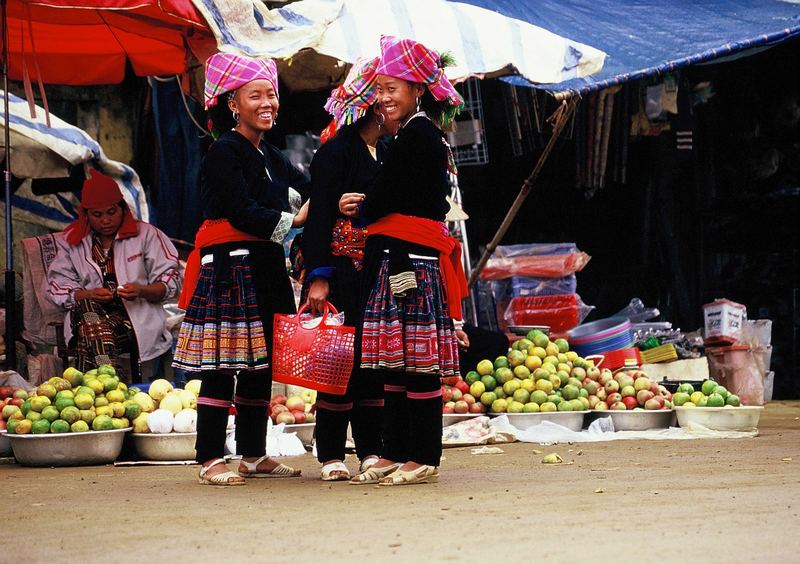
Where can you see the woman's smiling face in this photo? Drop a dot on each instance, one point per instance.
(257, 105)
(398, 97)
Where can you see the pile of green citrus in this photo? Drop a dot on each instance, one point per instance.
(710, 394)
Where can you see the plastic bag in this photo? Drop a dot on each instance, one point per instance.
(520, 286)
(561, 312)
(637, 313)
(543, 266)
(741, 371)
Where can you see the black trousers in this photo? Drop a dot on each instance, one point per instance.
(249, 391)
(412, 422)
(361, 407)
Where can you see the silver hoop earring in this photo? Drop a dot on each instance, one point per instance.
(417, 104)
(380, 121)
(236, 117)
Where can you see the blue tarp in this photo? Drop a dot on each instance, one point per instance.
(651, 37)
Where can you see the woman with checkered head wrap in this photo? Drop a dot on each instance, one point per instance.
(412, 267)
(333, 249)
(236, 277)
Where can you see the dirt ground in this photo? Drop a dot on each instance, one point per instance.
(689, 501)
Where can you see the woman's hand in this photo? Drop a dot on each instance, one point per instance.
(151, 292)
(130, 291)
(99, 295)
(462, 339)
(318, 295)
(302, 214)
(349, 202)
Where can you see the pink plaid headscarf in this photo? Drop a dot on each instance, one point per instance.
(355, 95)
(226, 72)
(412, 61)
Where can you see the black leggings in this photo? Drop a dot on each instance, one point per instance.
(362, 407)
(412, 422)
(252, 389)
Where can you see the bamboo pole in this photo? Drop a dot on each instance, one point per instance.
(560, 118)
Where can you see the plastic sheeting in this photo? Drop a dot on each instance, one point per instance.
(643, 38)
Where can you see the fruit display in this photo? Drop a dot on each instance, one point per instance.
(10, 397)
(540, 375)
(710, 394)
(71, 403)
(294, 409)
(164, 409)
(460, 398)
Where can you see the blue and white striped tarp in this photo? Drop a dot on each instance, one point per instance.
(482, 41)
(39, 151)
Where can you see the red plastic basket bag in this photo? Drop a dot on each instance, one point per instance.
(319, 357)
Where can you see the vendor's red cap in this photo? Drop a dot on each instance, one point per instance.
(100, 191)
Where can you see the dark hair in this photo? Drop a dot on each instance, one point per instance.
(220, 117)
(435, 109)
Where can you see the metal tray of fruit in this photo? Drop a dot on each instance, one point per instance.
(636, 420)
(742, 418)
(5, 444)
(572, 420)
(305, 432)
(453, 418)
(68, 449)
(525, 329)
(164, 446)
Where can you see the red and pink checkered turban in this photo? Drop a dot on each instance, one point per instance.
(355, 95)
(412, 61)
(226, 72)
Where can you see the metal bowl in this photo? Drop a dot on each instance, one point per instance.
(743, 418)
(453, 418)
(5, 444)
(165, 446)
(68, 449)
(572, 420)
(305, 432)
(638, 420)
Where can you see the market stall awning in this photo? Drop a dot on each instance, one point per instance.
(645, 38)
(314, 37)
(39, 151)
(80, 42)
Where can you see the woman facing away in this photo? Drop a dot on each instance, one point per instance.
(236, 278)
(412, 269)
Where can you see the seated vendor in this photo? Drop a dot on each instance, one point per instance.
(111, 273)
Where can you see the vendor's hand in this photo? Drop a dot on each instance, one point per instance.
(349, 202)
(318, 295)
(130, 291)
(462, 338)
(100, 295)
(300, 219)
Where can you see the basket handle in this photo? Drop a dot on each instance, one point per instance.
(599, 363)
(303, 338)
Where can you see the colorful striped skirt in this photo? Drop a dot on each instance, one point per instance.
(223, 329)
(412, 333)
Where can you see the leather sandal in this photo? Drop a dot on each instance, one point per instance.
(222, 479)
(250, 470)
(334, 471)
(368, 462)
(423, 475)
(374, 475)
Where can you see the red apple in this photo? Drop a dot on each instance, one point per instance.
(6, 392)
(592, 387)
(643, 396)
(614, 398)
(447, 394)
(299, 416)
(618, 406)
(463, 386)
(285, 417)
(663, 392)
(469, 398)
(2, 425)
(450, 404)
(447, 409)
(16, 401)
(652, 403)
(593, 401)
(457, 394)
(477, 408)
(653, 388)
(605, 377)
(278, 409)
(602, 406)
(461, 407)
(280, 398)
(630, 402)
(612, 386)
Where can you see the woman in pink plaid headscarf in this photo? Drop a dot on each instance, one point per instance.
(236, 278)
(412, 266)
